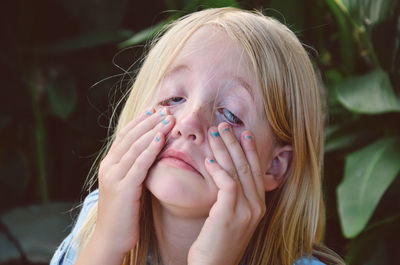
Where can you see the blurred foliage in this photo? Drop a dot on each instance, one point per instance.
(54, 113)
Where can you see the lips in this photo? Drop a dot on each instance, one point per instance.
(180, 156)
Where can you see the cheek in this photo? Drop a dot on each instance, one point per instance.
(237, 132)
(264, 149)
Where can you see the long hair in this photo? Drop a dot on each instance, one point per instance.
(295, 218)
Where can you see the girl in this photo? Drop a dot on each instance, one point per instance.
(217, 155)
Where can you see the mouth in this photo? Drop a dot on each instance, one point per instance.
(178, 159)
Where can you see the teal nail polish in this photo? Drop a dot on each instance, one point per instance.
(161, 114)
(211, 160)
(164, 122)
(215, 134)
(226, 129)
(248, 136)
(148, 112)
(157, 139)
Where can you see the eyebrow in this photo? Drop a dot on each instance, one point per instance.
(176, 69)
(237, 79)
(244, 84)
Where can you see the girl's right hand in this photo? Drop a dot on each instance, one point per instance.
(121, 176)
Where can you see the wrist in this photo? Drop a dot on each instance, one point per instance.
(104, 249)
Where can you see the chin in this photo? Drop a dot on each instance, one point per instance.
(181, 190)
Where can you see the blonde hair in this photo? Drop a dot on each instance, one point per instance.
(294, 223)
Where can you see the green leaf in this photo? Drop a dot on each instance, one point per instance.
(368, 173)
(194, 5)
(191, 6)
(62, 94)
(291, 13)
(367, 12)
(143, 35)
(368, 94)
(348, 134)
(339, 142)
(345, 31)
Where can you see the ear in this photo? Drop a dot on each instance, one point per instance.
(281, 161)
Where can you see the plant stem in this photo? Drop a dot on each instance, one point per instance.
(39, 146)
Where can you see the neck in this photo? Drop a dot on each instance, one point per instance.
(175, 232)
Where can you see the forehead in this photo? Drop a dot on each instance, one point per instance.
(213, 53)
(212, 47)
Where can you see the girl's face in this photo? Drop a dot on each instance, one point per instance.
(209, 82)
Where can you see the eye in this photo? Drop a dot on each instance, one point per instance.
(231, 117)
(172, 101)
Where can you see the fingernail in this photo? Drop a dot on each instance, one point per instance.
(215, 134)
(226, 129)
(157, 138)
(148, 112)
(164, 121)
(162, 112)
(248, 137)
(211, 160)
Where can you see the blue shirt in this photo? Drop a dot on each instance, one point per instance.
(65, 256)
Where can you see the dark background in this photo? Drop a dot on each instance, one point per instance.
(63, 67)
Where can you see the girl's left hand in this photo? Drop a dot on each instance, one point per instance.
(240, 201)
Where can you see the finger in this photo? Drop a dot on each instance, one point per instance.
(135, 122)
(131, 136)
(239, 160)
(138, 172)
(247, 142)
(131, 125)
(227, 186)
(135, 150)
(220, 152)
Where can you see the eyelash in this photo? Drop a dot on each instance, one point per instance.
(166, 101)
(232, 118)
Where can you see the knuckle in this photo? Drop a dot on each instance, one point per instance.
(140, 164)
(230, 141)
(232, 172)
(244, 168)
(230, 185)
(247, 216)
(259, 211)
(131, 135)
(135, 147)
(258, 175)
(103, 167)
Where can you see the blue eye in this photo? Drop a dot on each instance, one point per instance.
(231, 117)
(172, 101)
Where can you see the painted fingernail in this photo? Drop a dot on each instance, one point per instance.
(226, 129)
(215, 134)
(164, 121)
(162, 112)
(248, 137)
(157, 139)
(148, 112)
(211, 160)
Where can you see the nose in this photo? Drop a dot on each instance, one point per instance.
(191, 123)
